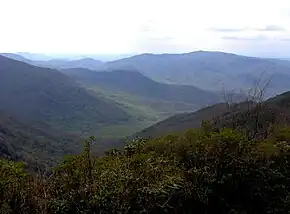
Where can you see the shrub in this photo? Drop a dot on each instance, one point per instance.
(202, 170)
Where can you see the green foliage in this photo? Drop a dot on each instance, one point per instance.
(200, 170)
(34, 146)
(14, 189)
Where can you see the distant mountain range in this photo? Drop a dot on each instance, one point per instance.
(72, 56)
(36, 56)
(210, 70)
(58, 63)
(63, 64)
(215, 71)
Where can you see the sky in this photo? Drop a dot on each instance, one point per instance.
(250, 27)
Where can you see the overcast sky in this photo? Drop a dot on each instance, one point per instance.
(253, 27)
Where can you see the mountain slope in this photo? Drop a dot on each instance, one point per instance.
(44, 95)
(271, 111)
(137, 84)
(16, 57)
(180, 122)
(41, 145)
(146, 100)
(209, 70)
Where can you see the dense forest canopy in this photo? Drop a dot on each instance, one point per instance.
(201, 170)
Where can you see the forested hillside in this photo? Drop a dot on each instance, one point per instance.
(136, 84)
(227, 165)
(150, 107)
(225, 158)
(37, 146)
(44, 114)
(44, 95)
(273, 107)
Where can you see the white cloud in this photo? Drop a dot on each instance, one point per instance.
(114, 26)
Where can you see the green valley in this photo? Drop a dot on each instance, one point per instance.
(146, 100)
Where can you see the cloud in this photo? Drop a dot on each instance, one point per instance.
(270, 28)
(267, 28)
(243, 38)
(161, 38)
(147, 26)
(225, 30)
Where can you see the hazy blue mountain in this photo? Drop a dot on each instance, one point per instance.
(137, 84)
(101, 57)
(215, 71)
(209, 70)
(46, 95)
(16, 57)
(63, 64)
(57, 63)
(35, 56)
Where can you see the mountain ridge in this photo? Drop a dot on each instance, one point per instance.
(136, 83)
(275, 108)
(57, 63)
(43, 94)
(209, 70)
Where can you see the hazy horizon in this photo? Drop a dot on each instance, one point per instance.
(111, 57)
(128, 27)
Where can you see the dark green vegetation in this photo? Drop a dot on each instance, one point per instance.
(209, 70)
(212, 169)
(44, 95)
(36, 146)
